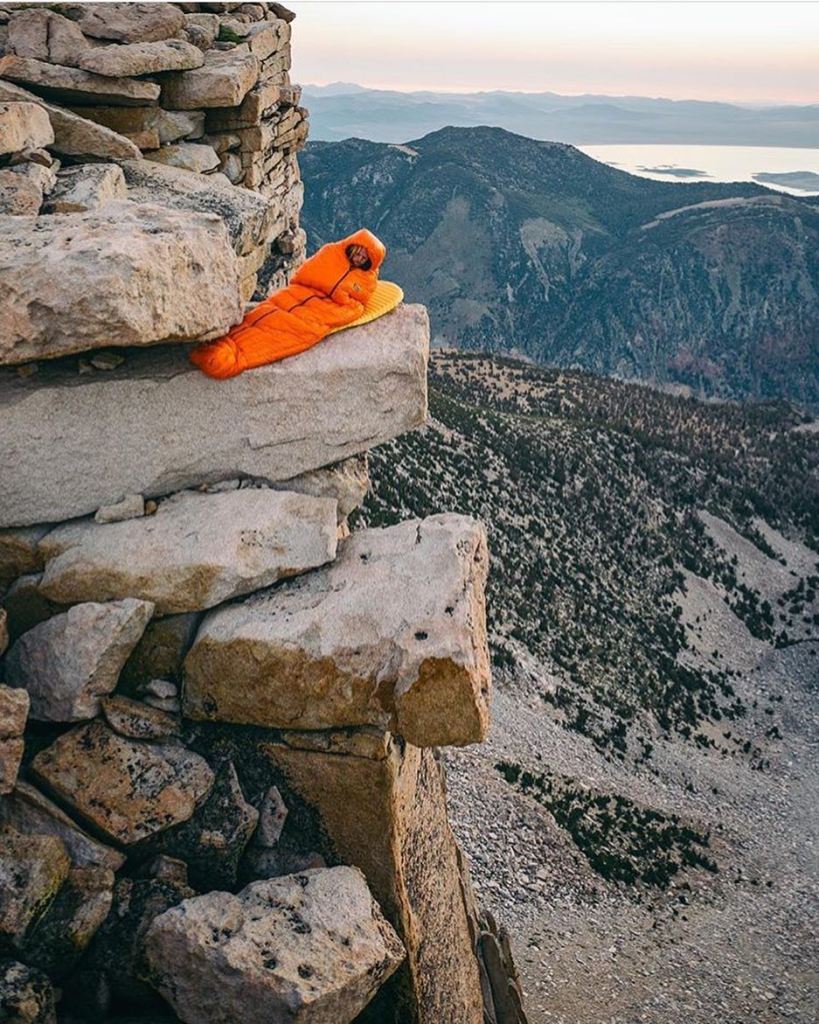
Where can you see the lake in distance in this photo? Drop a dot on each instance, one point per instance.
(711, 163)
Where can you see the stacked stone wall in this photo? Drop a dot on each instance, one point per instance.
(220, 796)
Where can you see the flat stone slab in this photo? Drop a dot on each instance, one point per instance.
(124, 788)
(156, 424)
(126, 22)
(393, 633)
(196, 551)
(75, 85)
(223, 81)
(312, 947)
(140, 58)
(122, 275)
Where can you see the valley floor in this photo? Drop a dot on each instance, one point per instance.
(739, 946)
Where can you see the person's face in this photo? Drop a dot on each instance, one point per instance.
(358, 256)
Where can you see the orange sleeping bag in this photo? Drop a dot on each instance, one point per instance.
(330, 290)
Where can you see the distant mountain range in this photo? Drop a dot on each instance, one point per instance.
(534, 248)
(342, 110)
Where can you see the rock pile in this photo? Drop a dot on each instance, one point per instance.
(220, 796)
(192, 99)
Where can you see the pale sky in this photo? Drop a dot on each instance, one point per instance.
(741, 51)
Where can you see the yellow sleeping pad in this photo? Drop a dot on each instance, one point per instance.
(384, 299)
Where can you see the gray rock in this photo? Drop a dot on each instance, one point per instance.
(137, 273)
(86, 187)
(347, 482)
(23, 188)
(45, 35)
(162, 689)
(23, 126)
(14, 706)
(68, 662)
(74, 135)
(355, 390)
(126, 22)
(29, 812)
(223, 81)
(196, 551)
(190, 156)
(393, 634)
(73, 84)
(140, 58)
(272, 816)
(169, 125)
(126, 789)
(132, 506)
(250, 219)
(26, 995)
(136, 720)
(305, 948)
(32, 869)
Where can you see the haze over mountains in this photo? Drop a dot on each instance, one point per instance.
(343, 110)
(517, 245)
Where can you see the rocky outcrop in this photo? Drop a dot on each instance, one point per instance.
(114, 257)
(391, 634)
(301, 948)
(219, 796)
(168, 427)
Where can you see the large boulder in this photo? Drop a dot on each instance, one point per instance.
(32, 869)
(311, 948)
(75, 85)
(125, 789)
(166, 426)
(75, 135)
(138, 275)
(250, 219)
(195, 552)
(27, 811)
(393, 633)
(68, 662)
(23, 126)
(126, 22)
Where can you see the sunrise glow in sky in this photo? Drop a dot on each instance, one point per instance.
(740, 51)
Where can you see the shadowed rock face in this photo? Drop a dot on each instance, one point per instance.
(300, 948)
(393, 631)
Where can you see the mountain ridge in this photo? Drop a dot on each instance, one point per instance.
(534, 248)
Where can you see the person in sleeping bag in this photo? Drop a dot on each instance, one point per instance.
(329, 291)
